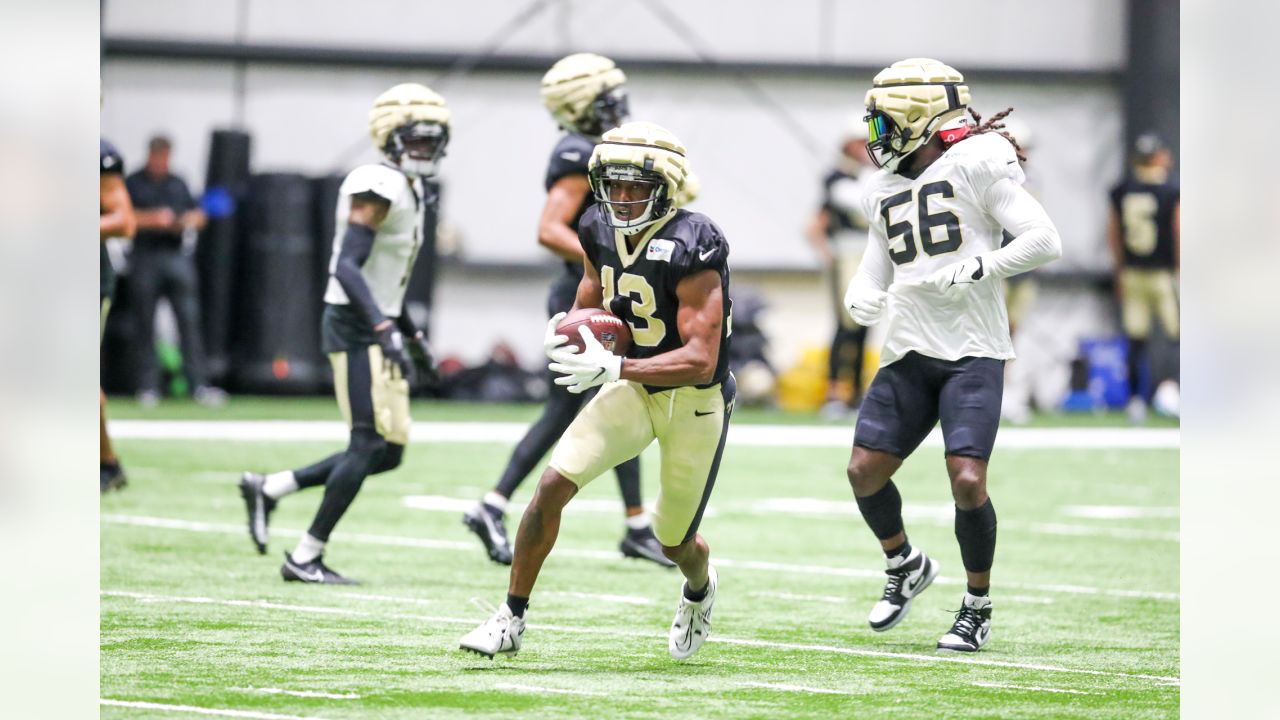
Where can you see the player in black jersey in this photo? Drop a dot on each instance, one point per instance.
(115, 219)
(585, 94)
(1143, 233)
(665, 271)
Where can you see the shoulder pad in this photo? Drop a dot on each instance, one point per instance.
(383, 181)
(569, 157)
(109, 160)
(987, 158)
(701, 245)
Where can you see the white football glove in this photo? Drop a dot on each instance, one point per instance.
(958, 277)
(587, 369)
(865, 305)
(552, 342)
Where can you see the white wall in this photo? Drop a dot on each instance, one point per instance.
(760, 183)
(1082, 34)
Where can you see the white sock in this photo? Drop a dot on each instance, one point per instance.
(280, 484)
(495, 501)
(308, 549)
(638, 522)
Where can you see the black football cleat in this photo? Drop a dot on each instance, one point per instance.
(972, 628)
(311, 572)
(486, 522)
(110, 477)
(643, 545)
(259, 508)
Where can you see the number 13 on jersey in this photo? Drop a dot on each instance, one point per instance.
(646, 329)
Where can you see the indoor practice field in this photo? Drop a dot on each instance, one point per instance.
(195, 623)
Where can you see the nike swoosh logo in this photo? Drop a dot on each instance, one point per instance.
(703, 256)
(700, 414)
(315, 576)
(598, 374)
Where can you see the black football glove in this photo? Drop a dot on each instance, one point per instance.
(424, 363)
(392, 344)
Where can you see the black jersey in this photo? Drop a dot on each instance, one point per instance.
(570, 157)
(842, 199)
(1146, 210)
(688, 243)
(109, 163)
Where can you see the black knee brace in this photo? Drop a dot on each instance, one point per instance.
(882, 511)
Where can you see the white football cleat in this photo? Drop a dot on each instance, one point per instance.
(908, 577)
(692, 625)
(499, 634)
(972, 628)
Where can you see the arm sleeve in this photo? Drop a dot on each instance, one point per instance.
(356, 245)
(875, 272)
(1035, 241)
(405, 323)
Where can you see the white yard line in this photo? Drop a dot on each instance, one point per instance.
(797, 436)
(299, 693)
(542, 690)
(622, 599)
(201, 710)
(793, 688)
(1034, 688)
(1121, 512)
(801, 647)
(772, 567)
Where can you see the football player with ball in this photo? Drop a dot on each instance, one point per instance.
(665, 272)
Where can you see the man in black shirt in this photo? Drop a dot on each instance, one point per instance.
(1143, 233)
(162, 265)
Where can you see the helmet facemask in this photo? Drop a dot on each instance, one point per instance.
(632, 198)
(416, 148)
(610, 109)
(886, 142)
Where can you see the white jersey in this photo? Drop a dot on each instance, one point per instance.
(956, 209)
(396, 243)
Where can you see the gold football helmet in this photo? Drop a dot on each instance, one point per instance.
(409, 124)
(637, 172)
(909, 101)
(584, 94)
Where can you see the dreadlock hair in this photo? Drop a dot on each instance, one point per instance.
(993, 124)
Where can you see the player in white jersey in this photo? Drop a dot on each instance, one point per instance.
(932, 274)
(364, 326)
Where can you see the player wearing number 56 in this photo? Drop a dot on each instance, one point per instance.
(931, 274)
(664, 271)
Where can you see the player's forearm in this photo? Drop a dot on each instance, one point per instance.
(561, 240)
(692, 364)
(1029, 250)
(357, 243)
(118, 224)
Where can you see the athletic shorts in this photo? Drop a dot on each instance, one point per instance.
(690, 425)
(1148, 293)
(908, 397)
(372, 394)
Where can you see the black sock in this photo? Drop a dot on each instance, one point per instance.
(978, 592)
(883, 511)
(902, 550)
(698, 596)
(1137, 356)
(976, 533)
(517, 604)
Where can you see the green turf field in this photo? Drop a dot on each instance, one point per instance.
(1085, 613)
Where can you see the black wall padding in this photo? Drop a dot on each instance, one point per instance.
(228, 180)
(277, 338)
(324, 201)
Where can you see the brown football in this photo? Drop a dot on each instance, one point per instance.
(609, 329)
